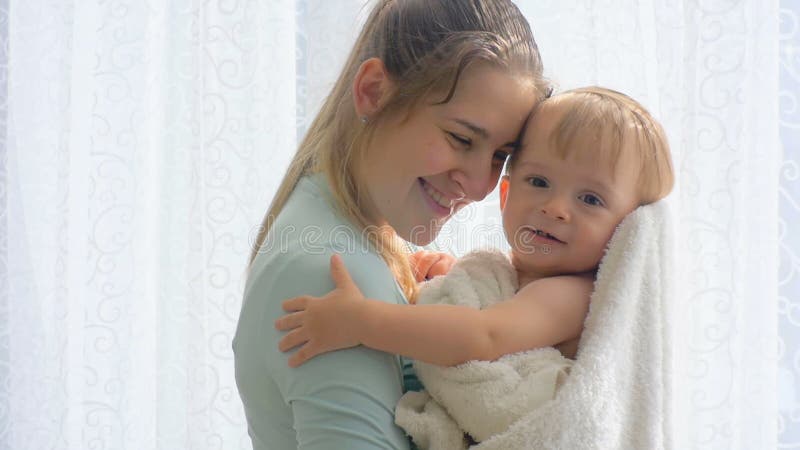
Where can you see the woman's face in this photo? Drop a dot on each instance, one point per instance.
(420, 169)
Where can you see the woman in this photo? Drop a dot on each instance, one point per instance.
(419, 124)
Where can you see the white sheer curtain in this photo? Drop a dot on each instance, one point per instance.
(142, 142)
(789, 234)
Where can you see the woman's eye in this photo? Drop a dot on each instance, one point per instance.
(591, 199)
(461, 140)
(500, 156)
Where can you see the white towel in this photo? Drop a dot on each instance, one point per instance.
(480, 398)
(618, 391)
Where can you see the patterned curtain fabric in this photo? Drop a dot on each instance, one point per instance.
(141, 143)
(788, 232)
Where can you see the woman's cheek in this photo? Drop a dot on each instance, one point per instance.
(437, 156)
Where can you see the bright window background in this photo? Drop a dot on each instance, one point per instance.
(789, 301)
(141, 142)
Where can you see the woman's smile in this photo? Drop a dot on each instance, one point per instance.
(440, 203)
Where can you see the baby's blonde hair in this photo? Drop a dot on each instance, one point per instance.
(425, 46)
(610, 120)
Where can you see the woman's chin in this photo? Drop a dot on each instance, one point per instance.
(421, 235)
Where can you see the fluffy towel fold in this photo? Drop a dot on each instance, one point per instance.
(618, 391)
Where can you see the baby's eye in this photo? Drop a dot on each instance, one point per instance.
(460, 140)
(591, 199)
(538, 182)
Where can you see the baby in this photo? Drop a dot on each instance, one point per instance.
(588, 157)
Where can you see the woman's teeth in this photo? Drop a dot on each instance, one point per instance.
(439, 198)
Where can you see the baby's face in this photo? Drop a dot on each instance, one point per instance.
(560, 214)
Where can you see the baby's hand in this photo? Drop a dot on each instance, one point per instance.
(427, 265)
(322, 324)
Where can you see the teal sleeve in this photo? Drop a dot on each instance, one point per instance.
(343, 399)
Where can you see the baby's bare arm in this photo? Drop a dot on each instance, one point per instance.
(544, 313)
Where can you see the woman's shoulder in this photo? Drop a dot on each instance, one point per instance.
(310, 204)
(306, 270)
(312, 260)
(309, 223)
(295, 256)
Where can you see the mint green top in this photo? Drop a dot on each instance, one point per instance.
(339, 400)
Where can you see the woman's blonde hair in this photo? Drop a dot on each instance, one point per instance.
(425, 46)
(608, 119)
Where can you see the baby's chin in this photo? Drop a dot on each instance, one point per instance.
(538, 265)
(523, 262)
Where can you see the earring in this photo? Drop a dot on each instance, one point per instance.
(364, 119)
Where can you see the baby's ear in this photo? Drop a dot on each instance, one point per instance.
(503, 191)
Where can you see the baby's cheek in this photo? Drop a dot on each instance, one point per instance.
(606, 239)
(600, 243)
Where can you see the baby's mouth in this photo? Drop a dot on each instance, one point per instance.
(547, 235)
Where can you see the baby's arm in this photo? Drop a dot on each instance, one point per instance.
(544, 313)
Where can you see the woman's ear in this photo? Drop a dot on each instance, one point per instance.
(371, 87)
(503, 191)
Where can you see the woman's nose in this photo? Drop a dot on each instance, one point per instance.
(476, 176)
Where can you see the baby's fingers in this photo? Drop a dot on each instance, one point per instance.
(292, 340)
(289, 321)
(442, 266)
(421, 263)
(296, 304)
(302, 355)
